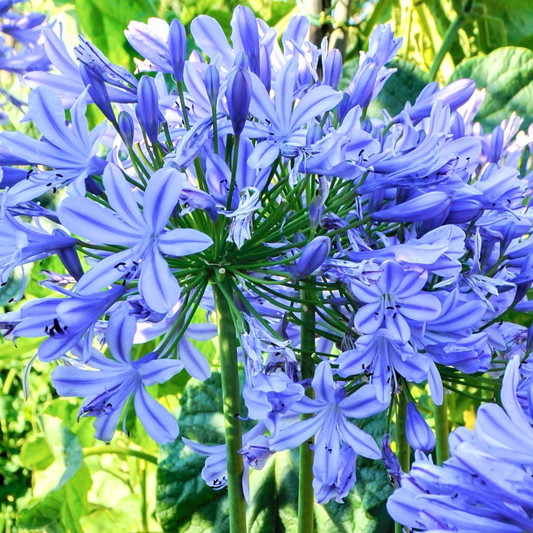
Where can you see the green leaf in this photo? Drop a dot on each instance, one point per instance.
(121, 518)
(60, 510)
(184, 502)
(517, 17)
(104, 22)
(64, 446)
(274, 495)
(507, 75)
(63, 486)
(403, 86)
(36, 454)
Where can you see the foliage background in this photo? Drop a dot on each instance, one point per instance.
(54, 476)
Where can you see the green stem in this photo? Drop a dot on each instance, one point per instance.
(118, 450)
(144, 510)
(442, 431)
(448, 40)
(227, 341)
(402, 446)
(305, 482)
(233, 171)
(181, 95)
(377, 13)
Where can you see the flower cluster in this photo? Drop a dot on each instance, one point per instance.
(352, 255)
(486, 485)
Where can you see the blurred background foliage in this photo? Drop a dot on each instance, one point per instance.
(54, 476)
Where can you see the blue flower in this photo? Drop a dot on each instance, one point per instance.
(397, 296)
(331, 427)
(108, 384)
(65, 321)
(486, 485)
(71, 152)
(143, 234)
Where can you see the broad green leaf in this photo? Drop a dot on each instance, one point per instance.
(36, 454)
(507, 76)
(517, 17)
(274, 495)
(120, 518)
(67, 410)
(60, 510)
(66, 450)
(184, 502)
(61, 490)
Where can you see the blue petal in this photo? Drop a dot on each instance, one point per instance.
(119, 336)
(298, 433)
(121, 198)
(70, 381)
(323, 383)
(95, 222)
(362, 403)
(157, 421)
(180, 241)
(159, 370)
(160, 197)
(362, 443)
(104, 273)
(316, 102)
(158, 286)
(194, 361)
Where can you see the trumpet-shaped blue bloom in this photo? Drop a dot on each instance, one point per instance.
(70, 151)
(22, 243)
(331, 427)
(397, 296)
(143, 234)
(108, 384)
(65, 321)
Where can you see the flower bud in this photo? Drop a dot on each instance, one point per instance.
(333, 69)
(464, 210)
(419, 434)
(314, 134)
(69, 256)
(177, 44)
(97, 91)
(148, 108)
(265, 67)
(126, 127)
(239, 95)
(314, 254)
(212, 84)
(249, 35)
(241, 60)
(423, 207)
(454, 94)
(390, 461)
